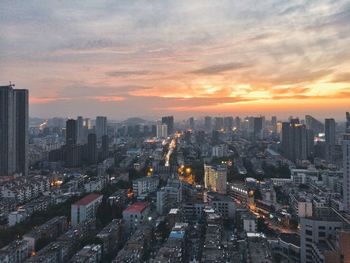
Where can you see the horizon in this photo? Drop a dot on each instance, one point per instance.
(155, 58)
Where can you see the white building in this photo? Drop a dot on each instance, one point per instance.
(95, 185)
(249, 223)
(215, 178)
(305, 208)
(135, 214)
(16, 217)
(162, 131)
(222, 204)
(219, 151)
(169, 196)
(315, 232)
(346, 174)
(85, 208)
(144, 186)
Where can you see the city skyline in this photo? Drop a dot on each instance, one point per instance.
(144, 58)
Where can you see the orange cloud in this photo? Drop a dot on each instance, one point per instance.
(45, 100)
(107, 98)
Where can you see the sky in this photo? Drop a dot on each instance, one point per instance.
(187, 58)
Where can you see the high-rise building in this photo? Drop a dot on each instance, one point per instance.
(87, 123)
(330, 139)
(169, 121)
(162, 131)
(13, 130)
(346, 172)
(71, 132)
(100, 127)
(22, 116)
(274, 124)
(215, 178)
(330, 131)
(80, 130)
(104, 147)
(314, 124)
(348, 122)
(258, 127)
(92, 148)
(191, 123)
(238, 122)
(218, 123)
(207, 123)
(228, 123)
(297, 141)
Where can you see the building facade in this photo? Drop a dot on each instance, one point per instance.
(85, 209)
(13, 131)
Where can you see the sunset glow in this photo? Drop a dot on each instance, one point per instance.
(187, 57)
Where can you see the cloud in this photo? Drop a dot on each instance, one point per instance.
(183, 54)
(127, 73)
(46, 100)
(290, 90)
(220, 68)
(341, 77)
(107, 98)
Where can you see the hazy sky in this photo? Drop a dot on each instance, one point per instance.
(187, 57)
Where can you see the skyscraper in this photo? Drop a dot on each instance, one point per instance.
(258, 127)
(162, 131)
(330, 138)
(80, 130)
(169, 121)
(101, 127)
(92, 148)
(215, 178)
(13, 130)
(238, 122)
(346, 171)
(104, 147)
(228, 123)
(71, 132)
(314, 124)
(218, 123)
(207, 123)
(191, 123)
(297, 141)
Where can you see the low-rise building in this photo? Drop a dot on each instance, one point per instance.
(15, 252)
(88, 254)
(16, 217)
(316, 233)
(111, 236)
(287, 247)
(137, 246)
(169, 196)
(61, 250)
(135, 215)
(85, 208)
(144, 186)
(222, 204)
(48, 231)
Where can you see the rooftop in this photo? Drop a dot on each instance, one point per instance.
(87, 199)
(137, 207)
(290, 238)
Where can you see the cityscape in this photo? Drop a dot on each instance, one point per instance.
(128, 134)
